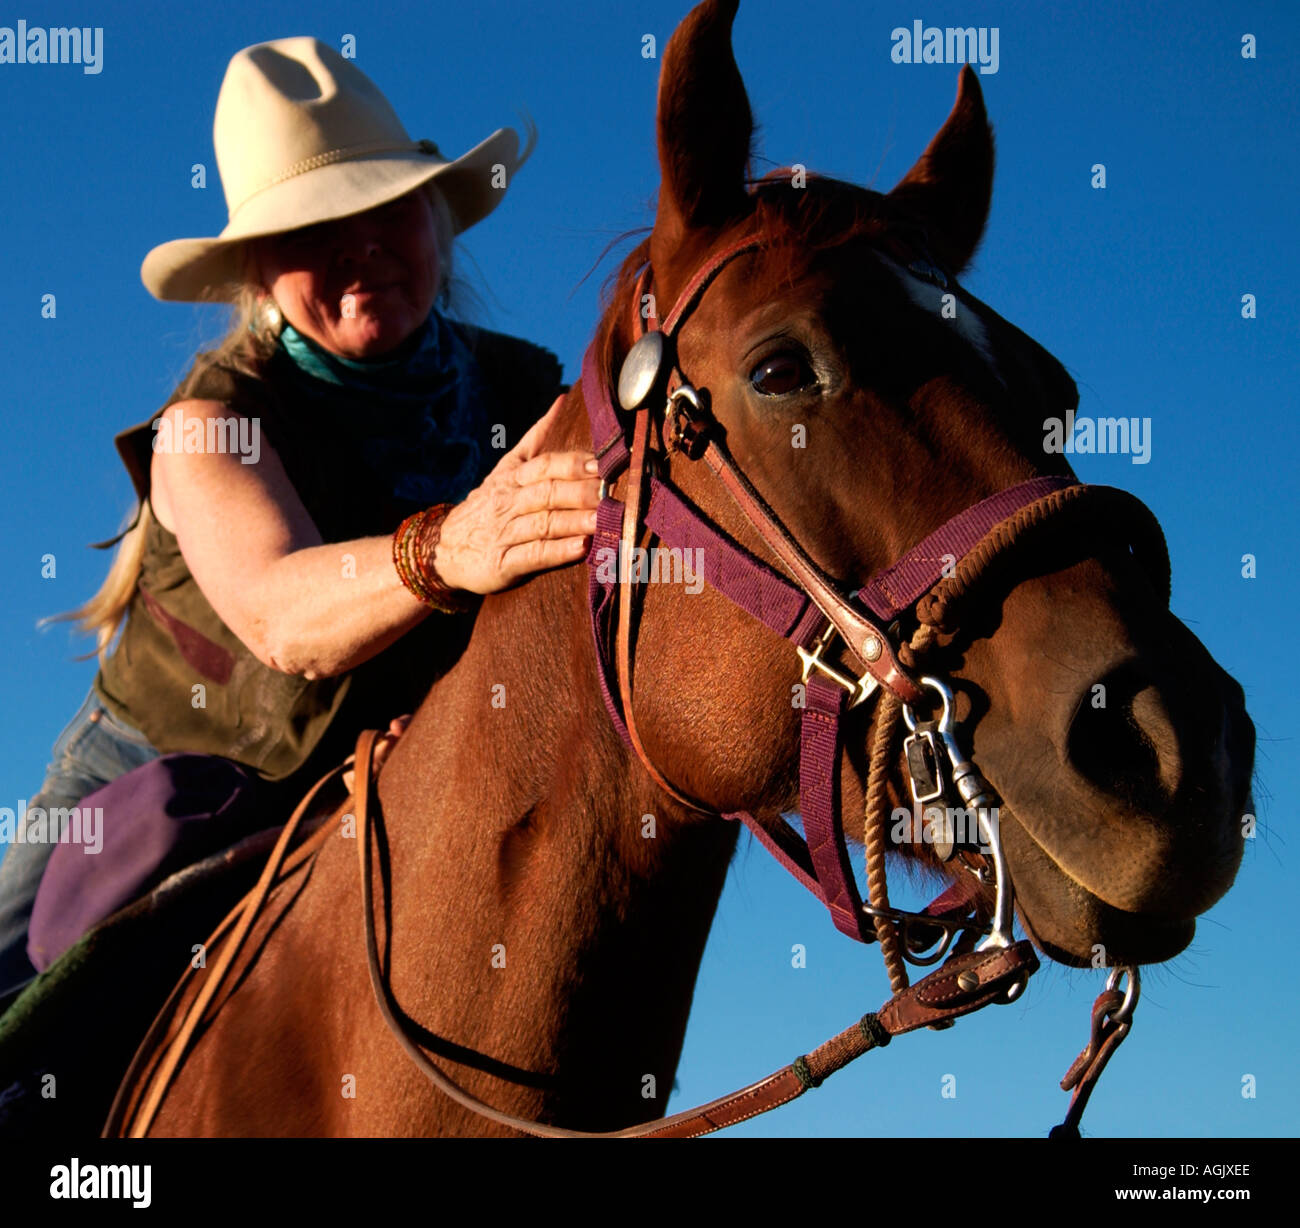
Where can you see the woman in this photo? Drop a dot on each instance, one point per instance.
(327, 489)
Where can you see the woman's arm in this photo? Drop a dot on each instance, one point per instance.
(302, 607)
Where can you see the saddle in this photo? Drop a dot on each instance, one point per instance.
(151, 822)
(69, 1035)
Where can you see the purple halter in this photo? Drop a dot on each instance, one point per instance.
(822, 863)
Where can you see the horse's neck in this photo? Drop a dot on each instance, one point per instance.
(550, 910)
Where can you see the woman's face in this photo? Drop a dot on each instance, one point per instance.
(358, 286)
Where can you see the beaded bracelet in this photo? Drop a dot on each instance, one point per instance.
(414, 544)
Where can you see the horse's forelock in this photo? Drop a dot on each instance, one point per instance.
(819, 215)
(812, 215)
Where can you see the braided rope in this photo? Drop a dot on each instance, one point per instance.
(1092, 508)
(877, 811)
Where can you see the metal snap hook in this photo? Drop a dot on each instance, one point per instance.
(945, 698)
(977, 795)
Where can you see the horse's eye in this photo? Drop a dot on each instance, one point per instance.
(781, 374)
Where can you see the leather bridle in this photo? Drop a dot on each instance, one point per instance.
(806, 606)
(809, 608)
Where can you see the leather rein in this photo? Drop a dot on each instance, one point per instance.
(808, 607)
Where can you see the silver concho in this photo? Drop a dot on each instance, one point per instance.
(641, 370)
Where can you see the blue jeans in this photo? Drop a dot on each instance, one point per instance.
(94, 749)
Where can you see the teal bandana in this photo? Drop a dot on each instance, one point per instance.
(428, 436)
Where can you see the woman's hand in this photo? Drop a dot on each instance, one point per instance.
(535, 510)
(277, 586)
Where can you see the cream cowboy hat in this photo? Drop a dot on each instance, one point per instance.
(303, 136)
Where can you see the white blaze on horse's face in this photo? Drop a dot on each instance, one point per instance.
(930, 297)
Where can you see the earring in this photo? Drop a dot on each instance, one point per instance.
(269, 317)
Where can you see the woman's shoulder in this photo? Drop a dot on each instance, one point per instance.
(215, 388)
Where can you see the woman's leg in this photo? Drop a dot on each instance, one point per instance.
(94, 749)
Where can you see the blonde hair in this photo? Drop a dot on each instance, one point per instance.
(250, 339)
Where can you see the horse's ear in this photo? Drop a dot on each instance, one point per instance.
(705, 126)
(949, 189)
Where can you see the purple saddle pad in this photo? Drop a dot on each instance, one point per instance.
(134, 832)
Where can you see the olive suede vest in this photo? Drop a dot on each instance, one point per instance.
(188, 683)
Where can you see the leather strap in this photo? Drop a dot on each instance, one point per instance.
(966, 983)
(703, 278)
(1106, 1037)
(870, 644)
(627, 591)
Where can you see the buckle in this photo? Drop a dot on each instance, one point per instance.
(860, 688)
(689, 420)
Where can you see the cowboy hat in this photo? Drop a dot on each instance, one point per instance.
(304, 136)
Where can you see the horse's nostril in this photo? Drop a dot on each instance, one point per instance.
(1156, 726)
(1123, 740)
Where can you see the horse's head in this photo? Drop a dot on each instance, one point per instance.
(869, 403)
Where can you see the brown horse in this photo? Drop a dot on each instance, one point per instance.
(542, 941)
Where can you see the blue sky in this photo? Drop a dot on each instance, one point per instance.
(1137, 289)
